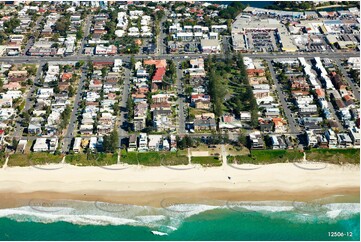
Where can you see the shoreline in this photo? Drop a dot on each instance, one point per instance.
(151, 185)
(168, 198)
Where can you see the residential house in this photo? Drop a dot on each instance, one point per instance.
(277, 142)
(133, 142)
(45, 144)
(331, 138)
(354, 134)
(205, 124)
(256, 140)
(143, 142)
(344, 140)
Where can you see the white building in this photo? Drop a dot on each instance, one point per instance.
(154, 142)
(45, 144)
(76, 145)
(331, 138)
(143, 142)
(210, 46)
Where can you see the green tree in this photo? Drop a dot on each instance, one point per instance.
(79, 64)
(71, 91)
(62, 25)
(14, 144)
(132, 62)
(111, 141)
(116, 108)
(188, 141)
(1, 83)
(55, 37)
(79, 34)
(242, 138)
(188, 90)
(104, 71)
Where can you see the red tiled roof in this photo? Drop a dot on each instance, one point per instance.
(103, 63)
(197, 95)
(159, 73)
(252, 71)
(278, 121)
(227, 118)
(347, 97)
(157, 63)
(66, 76)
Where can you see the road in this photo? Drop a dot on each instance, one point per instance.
(332, 110)
(161, 48)
(180, 100)
(126, 58)
(354, 87)
(227, 47)
(31, 40)
(86, 33)
(291, 121)
(28, 103)
(71, 127)
(122, 131)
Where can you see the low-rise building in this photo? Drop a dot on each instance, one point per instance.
(133, 142)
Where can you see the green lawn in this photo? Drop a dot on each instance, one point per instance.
(99, 159)
(153, 158)
(266, 157)
(149, 158)
(206, 161)
(336, 156)
(129, 157)
(38, 158)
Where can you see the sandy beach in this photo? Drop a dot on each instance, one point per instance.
(151, 185)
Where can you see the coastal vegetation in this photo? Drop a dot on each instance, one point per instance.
(92, 159)
(2, 158)
(154, 158)
(266, 157)
(34, 158)
(334, 156)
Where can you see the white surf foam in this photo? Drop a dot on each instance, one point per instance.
(159, 233)
(168, 219)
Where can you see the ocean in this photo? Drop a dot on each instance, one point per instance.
(256, 4)
(269, 220)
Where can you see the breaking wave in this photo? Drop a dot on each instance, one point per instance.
(165, 220)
